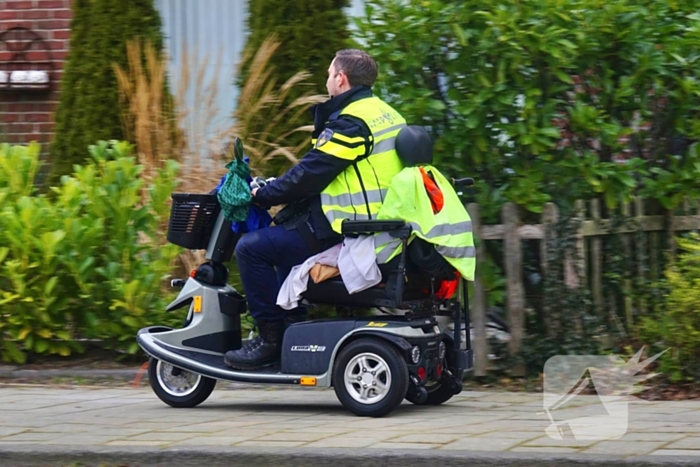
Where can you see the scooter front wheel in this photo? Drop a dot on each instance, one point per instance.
(177, 387)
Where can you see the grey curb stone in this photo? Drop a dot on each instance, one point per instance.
(9, 373)
(50, 456)
(86, 373)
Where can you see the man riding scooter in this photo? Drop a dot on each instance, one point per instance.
(344, 176)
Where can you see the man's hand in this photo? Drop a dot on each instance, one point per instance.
(259, 182)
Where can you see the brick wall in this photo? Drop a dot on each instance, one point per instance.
(28, 115)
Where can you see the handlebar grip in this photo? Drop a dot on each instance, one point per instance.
(463, 182)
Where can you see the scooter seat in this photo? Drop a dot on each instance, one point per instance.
(333, 291)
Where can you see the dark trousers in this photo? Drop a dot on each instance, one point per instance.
(265, 257)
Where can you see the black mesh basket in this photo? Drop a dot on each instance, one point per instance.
(192, 218)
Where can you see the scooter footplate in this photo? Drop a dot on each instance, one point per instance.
(217, 361)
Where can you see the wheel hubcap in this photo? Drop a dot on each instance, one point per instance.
(175, 381)
(367, 378)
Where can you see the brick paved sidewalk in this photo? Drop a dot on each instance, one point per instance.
(303, 419)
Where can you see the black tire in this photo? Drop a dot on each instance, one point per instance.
(202, 388)
(393, 378)
(438, 393)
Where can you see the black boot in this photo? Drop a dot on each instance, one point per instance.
(261, 351)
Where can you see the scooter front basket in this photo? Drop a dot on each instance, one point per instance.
(192, 219)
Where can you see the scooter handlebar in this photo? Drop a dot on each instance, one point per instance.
(258, 182)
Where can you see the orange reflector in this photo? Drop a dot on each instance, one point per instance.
(192, 273)
(197, 304)
(308, 381)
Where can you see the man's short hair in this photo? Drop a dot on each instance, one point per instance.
(358, 66)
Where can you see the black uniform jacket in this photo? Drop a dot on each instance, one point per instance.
(317, 169)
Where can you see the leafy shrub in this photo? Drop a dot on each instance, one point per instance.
(541, 100)
(87, 262)
(550, 100)
(677, 324)
(33, 307)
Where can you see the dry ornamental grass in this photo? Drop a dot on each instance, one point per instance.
(179, 127)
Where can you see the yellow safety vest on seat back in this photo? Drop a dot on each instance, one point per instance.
(450, 229)
(359, 191)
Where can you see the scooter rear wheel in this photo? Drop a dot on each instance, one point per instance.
(370, 377)
(438, 393)
(177, 387)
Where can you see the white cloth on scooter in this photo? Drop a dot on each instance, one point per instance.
(355, 259)
(357, 263)
(295, 283)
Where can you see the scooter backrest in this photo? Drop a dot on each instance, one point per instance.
(414, 146)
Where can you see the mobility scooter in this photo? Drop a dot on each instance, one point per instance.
(407, 349)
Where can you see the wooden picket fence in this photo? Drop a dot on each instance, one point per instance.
(589, 268)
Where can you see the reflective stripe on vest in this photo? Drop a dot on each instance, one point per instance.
(386, 249)
(449, 229)
(388, 130)
(359, 191)
(391, 249)
(457, 251)
(445, 229)
(435, 232)
(356, 199)
(390, 244)
(385, 145)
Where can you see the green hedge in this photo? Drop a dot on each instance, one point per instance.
(539, 99)
(89, 260)
(309, 33)
(89, 109)
(558, 100)
(677, 325)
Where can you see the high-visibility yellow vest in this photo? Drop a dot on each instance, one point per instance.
(450, 230)
(359, 191)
